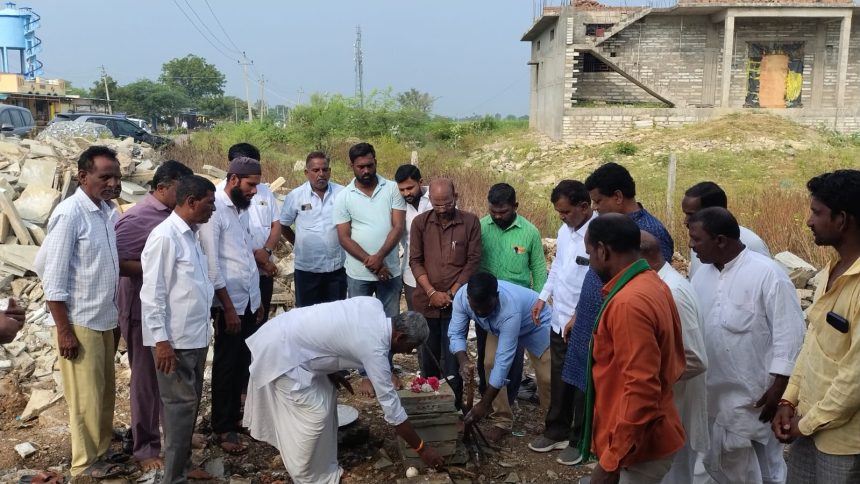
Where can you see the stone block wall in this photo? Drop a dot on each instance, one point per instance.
(597, 125)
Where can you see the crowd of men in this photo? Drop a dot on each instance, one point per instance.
(659, 377)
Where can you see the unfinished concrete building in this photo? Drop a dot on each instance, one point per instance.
(597, 70)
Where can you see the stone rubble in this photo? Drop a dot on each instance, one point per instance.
(35, 175)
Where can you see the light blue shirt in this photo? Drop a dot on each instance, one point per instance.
(511, 322)
(370, 222)
(78, 262)
(317, 248)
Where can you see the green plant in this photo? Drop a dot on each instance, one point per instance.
(625, 148)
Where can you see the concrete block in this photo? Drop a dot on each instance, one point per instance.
(39, 400)
(36, 203)
(38, 172)
(798, 270)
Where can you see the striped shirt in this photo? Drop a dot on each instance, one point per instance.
(514, 254)
(81, 267)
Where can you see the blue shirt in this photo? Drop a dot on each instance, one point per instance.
(317, 248)
(591, 298)
(650, 224)
(511, 321)
(576, 357)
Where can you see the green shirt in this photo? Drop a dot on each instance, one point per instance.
(514, 254)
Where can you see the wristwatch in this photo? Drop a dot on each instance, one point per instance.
(268, 250)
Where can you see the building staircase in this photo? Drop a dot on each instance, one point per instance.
(34, 45)
(626, 21)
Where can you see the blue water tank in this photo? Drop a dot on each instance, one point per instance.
(13, 24)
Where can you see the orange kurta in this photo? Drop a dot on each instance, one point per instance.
(638, 357)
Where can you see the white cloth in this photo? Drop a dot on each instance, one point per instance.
(301, 423)
(743, 460)
(690, 391)
(564, 283)
(753, 329)
(309, 342)
(317, 248)
(261, 213)
(78, 262)
(412, 212)
(176, 292)
(748, 238)
(226, 241)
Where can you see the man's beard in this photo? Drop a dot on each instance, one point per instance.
(238, 198)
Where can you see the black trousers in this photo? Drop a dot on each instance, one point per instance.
(566, 413)
(319, 287)
(515, 374)
(435, 357)
(230, 371)
(267, 287)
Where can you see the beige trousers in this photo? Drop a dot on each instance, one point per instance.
(89, 385)
(502, 415)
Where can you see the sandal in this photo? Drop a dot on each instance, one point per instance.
(233, 439)
(43, 477)
(102, 470)
(115, 457)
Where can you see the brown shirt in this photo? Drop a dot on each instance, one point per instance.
(446, 255)
(638, 357)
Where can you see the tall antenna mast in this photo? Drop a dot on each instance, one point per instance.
(359, 67)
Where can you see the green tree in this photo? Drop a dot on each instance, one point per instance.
(76, 91)
(415, 100)
(98, 90)
(225, 107)
(151, 100)
(195, 77)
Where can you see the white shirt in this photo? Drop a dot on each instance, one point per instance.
(176, 292)
(749, 238)
(564, 283)
(753, 328)
(226, 240)
(317, 248)
(412, 212)
(691, 395)
(262, 212)
(314, 341)
(78, 262)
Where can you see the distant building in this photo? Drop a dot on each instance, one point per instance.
(598, 70)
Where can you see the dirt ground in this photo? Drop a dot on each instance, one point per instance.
(365, 444)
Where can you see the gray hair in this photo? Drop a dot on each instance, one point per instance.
(413, 325)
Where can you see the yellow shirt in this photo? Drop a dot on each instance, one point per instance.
(825, 384)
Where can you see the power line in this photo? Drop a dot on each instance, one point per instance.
(201, 32)
(205, 26)
(221, 26)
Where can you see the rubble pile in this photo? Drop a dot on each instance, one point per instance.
(35, 175)
(805, 277)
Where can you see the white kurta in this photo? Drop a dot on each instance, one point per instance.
(290, 402)
(690, 391)
(753, 329)
(749, 238)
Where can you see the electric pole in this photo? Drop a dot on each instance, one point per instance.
(262, 96)
(107, 91)
(359, 68)
(245, 65)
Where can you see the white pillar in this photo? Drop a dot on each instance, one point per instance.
(728, 52)
(842, 73)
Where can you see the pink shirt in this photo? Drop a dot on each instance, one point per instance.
(132, 230)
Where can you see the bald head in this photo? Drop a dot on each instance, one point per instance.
(649, 249)
(442, 187)
(443, 198)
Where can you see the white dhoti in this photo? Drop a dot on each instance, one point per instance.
(301, 424)
(737, 459)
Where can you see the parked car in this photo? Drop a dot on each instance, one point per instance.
(141, 124)
(16, 120)
(121, 127)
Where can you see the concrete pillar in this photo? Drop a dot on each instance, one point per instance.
(4, 63)
(819, 64)
(842, 72)
(728, 51)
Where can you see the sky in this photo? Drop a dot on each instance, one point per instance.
(466, 53)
